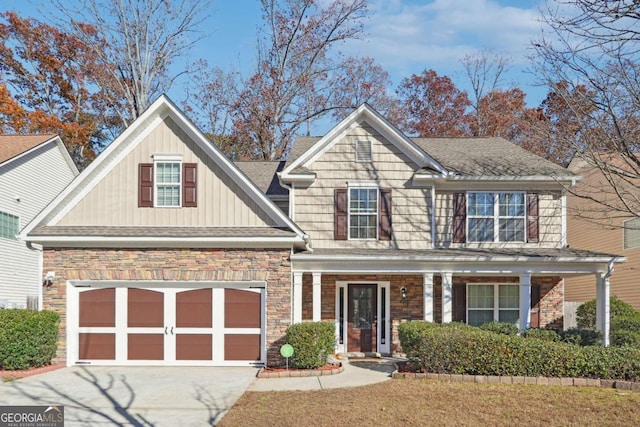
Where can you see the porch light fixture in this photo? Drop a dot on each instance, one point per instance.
(403, 293)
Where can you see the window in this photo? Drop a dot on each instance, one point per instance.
(9, 226)
(363, 151)
(632, 233)
(363, 213)
(496, 217)
(487, 303)
(167, 184)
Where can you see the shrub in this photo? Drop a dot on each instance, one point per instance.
(581, 337)
(625, 337)
(503, 328)
(28, 338)
(542, 334)
(630, 323)
(312, 342)
(586, 313)
(478, 352)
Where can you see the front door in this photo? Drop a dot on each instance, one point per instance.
(361, 320)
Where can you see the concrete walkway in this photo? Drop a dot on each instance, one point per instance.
(356, 373)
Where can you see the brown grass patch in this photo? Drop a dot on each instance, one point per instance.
(419, 403)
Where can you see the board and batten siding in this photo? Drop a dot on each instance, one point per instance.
(550, 221)
(27, 185)
(114, 200)
(390, 168)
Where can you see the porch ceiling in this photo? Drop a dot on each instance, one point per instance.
(535, 261)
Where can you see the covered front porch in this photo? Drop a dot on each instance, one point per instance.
(368, 293)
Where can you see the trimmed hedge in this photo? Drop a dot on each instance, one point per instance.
(500, 328)
(581, 337)
(28, 339)
(541, 334)
(586, 313)
(312, 342)
(478, 352)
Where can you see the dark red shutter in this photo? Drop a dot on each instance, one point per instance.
(145, 185)
(385, 229)
(189, 189)
(532, 218)
(459, 218)
(340, 216)
(460, 303)
(535, 306)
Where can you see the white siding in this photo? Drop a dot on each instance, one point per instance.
(27, 185)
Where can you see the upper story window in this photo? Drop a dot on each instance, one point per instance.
(167, 183)
(363, 151)
(496, 217)
(9, 226)
(363, 213)
(632, 233)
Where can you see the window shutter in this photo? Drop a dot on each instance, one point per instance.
(535, 308)
(460, 303)
(385, 229)
(340, 216)
(145, 185)
(459, 218)
(189, 189)
(532, 218)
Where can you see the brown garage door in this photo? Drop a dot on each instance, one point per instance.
(170, 326)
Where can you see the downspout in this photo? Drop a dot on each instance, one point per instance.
(433, 216)
(40, 271)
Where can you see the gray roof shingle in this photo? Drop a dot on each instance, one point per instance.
(263, 174)
(160, 232)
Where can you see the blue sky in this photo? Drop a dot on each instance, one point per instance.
(404, 36)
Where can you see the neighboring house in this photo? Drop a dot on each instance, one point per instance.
(592, 226)
(33, 170)
(165, 252)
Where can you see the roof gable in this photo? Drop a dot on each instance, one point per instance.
(14, 147)
(364, 113)
(160, 111)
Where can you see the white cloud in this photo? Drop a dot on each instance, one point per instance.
(408, 36)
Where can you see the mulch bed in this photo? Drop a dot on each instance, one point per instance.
(283, 372)
(6, 375)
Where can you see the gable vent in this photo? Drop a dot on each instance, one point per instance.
(363, 151)
(632, 233)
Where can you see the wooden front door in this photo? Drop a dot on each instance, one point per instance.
(362, 318)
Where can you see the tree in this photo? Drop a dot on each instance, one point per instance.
(594, 48)
(291, 86)
(46, 89)
(135, 43)
(431, 106)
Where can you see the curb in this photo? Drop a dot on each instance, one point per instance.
(491, 379)
(298, 373)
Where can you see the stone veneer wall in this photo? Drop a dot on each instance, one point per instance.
(550, 305)
(269, 265)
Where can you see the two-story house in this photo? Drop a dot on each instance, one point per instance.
(33, 170)
(165, 252)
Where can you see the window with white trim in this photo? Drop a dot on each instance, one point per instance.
(9, 226)
(632, 233)
(493, 302)
(168, 182)
(496, 217)
(363, 213)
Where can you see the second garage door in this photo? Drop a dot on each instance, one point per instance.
(130, 325)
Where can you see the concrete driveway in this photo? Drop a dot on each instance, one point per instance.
(134, 396)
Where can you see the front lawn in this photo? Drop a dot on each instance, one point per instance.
(420, 402)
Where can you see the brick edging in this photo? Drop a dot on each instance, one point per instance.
(491, 379)
(296, 373)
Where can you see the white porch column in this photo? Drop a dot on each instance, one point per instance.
(297, 297)
(447, 298)
(525, 301)
(427, 296)
(317, 280)
(602, 306)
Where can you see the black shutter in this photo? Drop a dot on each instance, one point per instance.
(460, 303)
(145, 185)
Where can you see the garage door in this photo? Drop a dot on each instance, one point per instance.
(129, 325)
